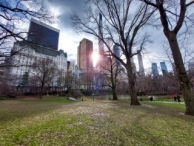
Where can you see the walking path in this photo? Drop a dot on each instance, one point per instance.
(73, 99)
(170, 102)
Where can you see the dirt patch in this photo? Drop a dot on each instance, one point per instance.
(149, 106)
(77, 123)
(123, 104)
(100, 115)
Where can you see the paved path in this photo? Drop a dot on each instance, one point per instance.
(73, 99)
(170, 102)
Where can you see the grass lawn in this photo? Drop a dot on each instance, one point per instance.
(57, 121)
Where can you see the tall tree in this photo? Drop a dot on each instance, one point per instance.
(44, 70)
(172, 17)
(120, 22)
(111, 70)
(71, 83)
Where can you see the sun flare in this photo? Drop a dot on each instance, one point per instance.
(95, 58)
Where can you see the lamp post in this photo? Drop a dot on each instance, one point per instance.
(93, 97)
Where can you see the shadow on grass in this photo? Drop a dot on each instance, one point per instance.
(17, 109)
(153, 125)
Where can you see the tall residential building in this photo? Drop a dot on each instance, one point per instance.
(128, 45)
(43, 34)
(174, 68)
(141, 68)
(116, 51)
(155, 70)
(164, 68)
(84, 55)
(102, 57)
(100, 33)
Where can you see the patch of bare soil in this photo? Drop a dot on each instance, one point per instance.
(123, 104)
(100, 115)
(149, 106)
(71, 125)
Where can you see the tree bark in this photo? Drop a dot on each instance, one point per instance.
(185, 84)
(41, 91)
(132, 89)
(114, 93)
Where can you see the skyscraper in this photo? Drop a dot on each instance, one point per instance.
(84, 55)
(43, 34)
(116, 51)
(128, 45)
(100, 33)
(174, 68)
(155, 70)
(141, 68)
(164, 68)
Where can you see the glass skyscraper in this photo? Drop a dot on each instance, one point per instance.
(155, 70)
(43, 34)
(100, 31)
(163, 68)
(116, 51)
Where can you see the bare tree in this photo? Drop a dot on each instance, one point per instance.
(71, 83)
(44, 70)
(121, 22)
(111, 71)
(6, 86)
(172, 17)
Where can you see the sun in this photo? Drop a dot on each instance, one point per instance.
(95, 58)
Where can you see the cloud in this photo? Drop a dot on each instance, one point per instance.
(67, 8)
(69, 39)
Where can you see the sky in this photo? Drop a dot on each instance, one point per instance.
(69, 38)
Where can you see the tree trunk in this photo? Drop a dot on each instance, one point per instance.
(185, 84)
(114, 93)
(132, 89)
(41, 91)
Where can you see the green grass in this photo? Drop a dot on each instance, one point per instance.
(5, 98)
(57, 121)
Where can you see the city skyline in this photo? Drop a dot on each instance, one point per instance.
(69, 39)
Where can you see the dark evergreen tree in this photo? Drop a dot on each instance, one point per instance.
(24, 79)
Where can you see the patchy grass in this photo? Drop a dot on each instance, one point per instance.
(57, 121)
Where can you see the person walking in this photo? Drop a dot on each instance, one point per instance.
(175, 96)
(151, 98)
(178, 97)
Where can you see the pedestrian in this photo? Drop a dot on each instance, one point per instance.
(178, 97)
(151, 98)
(175, 96)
